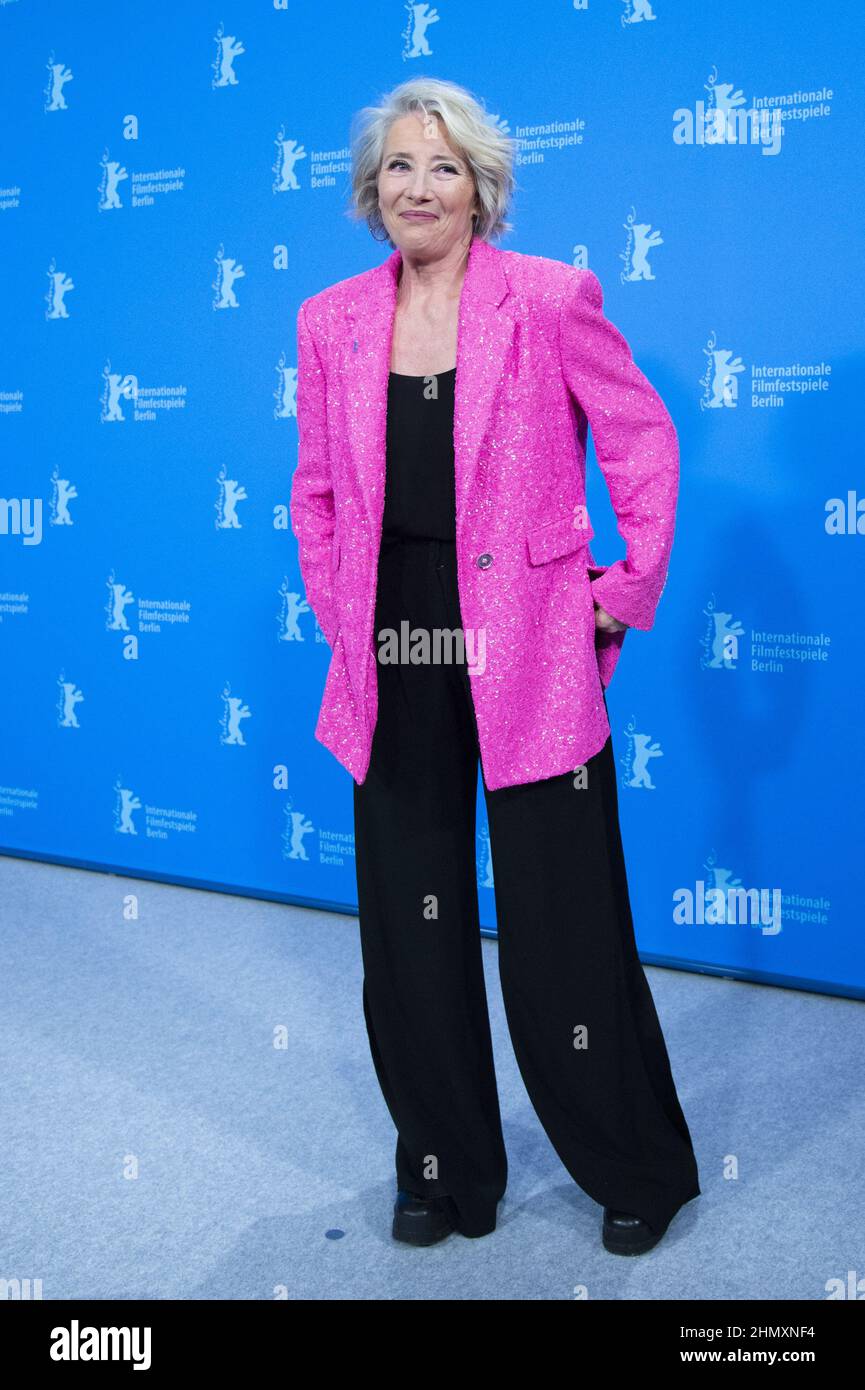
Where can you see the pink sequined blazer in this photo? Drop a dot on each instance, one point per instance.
(537, 362)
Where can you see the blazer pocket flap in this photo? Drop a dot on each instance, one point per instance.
(557, 538)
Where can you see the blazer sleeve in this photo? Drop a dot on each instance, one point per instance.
(312, 505)
(637, 448)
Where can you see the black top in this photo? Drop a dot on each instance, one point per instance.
(420, 491)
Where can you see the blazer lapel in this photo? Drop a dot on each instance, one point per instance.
(485, 331)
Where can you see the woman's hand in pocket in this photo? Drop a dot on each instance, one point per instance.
(606, 622)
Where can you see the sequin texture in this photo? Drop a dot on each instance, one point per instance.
(537, 363)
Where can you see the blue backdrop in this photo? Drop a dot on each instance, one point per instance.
(173, 182)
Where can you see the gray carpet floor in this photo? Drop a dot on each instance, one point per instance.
(189, 1110)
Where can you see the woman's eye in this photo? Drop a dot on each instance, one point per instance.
(401, 163)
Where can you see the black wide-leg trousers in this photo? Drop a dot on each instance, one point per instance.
(580, 1013)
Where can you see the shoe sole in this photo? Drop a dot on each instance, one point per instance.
(623, 1246)
(629, 1249)
(407, 1236)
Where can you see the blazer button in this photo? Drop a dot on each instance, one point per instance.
(484, 561)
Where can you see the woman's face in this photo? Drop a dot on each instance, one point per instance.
(422, 172)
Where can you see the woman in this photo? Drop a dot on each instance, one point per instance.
(443, 403)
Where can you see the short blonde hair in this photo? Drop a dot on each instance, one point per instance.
(487, 150)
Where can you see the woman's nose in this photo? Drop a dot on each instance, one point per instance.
(419, 185)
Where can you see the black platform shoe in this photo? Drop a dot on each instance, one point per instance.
(625, 1234)
(419, 1220)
